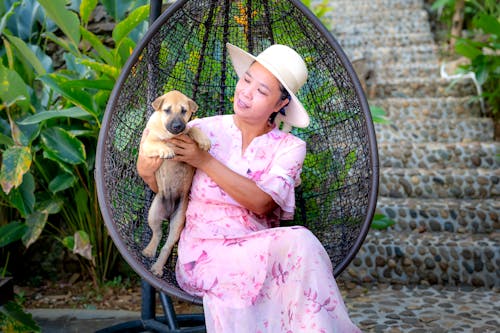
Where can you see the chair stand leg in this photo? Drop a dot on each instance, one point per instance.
(169, 323)
(192, 323)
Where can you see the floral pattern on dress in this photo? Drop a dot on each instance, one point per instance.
(254, 276)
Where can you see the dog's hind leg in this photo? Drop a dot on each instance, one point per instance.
(175, 227)
(157, 213)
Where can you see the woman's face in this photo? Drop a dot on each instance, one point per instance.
(257, 95)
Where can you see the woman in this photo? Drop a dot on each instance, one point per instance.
(253, 277)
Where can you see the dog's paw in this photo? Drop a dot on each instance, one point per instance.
(147, 252)
(204, 144)
(201, 139)
(157, 269)
(166, 153)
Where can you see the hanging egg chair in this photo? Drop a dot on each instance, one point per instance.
(184, 49)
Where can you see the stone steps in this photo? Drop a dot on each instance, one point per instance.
(439, 175)
(398, 71)
(402, 55)
(451, 215)
(440, 183)
(382, 27)
(432, 155)
(401, 28)
(436, 130)
(428, 258)
(370, 39)
(407, 63)
(362, 6)
(429, 107)
(381, 16)
(420, 87)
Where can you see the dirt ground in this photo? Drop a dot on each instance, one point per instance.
(83, 295)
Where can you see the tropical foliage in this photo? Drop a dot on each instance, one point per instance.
(479, 42)
(50, 115)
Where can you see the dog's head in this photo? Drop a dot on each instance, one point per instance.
(175, 110)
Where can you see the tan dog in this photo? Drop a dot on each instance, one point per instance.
(172, 112)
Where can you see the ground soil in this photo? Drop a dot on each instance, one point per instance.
(84, 295)
(79, 295)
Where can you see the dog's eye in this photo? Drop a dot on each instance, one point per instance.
(183, 110)
(168, 110)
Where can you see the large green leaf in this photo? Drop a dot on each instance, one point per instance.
(488, 23)
(62, 182)
(16, 161)
(22, 321)
(27, 53)
(74, 112)
(109, 70)
(126, 26)
(23, 197)
(98, 46)
(118, 8)
(61, 145)
(6, 140)
(78, 97)
(13, 90)
(65, 19)
(86, 8)
(125, 49)
(468, 49)
(50, 205)
(7, 15)
(11, 232)
(35, 223)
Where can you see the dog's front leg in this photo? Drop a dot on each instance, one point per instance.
(200, 138)
(175, 227)
(156, 215)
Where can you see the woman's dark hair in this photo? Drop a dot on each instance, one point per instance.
(284, 95)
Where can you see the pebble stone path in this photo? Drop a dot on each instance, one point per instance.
(423, 309)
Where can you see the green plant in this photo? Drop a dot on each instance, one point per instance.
(49, 124)
(319, 9)
(483, 51)
(480, 43)
(13, 319)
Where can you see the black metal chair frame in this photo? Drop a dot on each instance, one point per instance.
(151, 286)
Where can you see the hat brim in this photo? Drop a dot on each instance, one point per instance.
(296, 114)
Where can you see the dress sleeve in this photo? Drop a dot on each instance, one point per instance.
(284, 175)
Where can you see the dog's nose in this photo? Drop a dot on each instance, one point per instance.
(176, 126)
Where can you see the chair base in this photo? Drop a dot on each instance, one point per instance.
(169, 323)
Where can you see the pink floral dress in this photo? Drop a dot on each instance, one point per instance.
(253, 275)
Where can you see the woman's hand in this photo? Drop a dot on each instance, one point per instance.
(187, 151)
(240, 188)
(147, 166)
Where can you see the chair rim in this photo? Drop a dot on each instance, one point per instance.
(162, 285)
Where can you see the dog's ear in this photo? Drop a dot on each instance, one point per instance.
(157, 103)
(192, 105)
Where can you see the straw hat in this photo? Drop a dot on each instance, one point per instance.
(287, 66)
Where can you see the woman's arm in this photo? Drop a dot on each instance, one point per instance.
(147, 166)
(240, 188)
